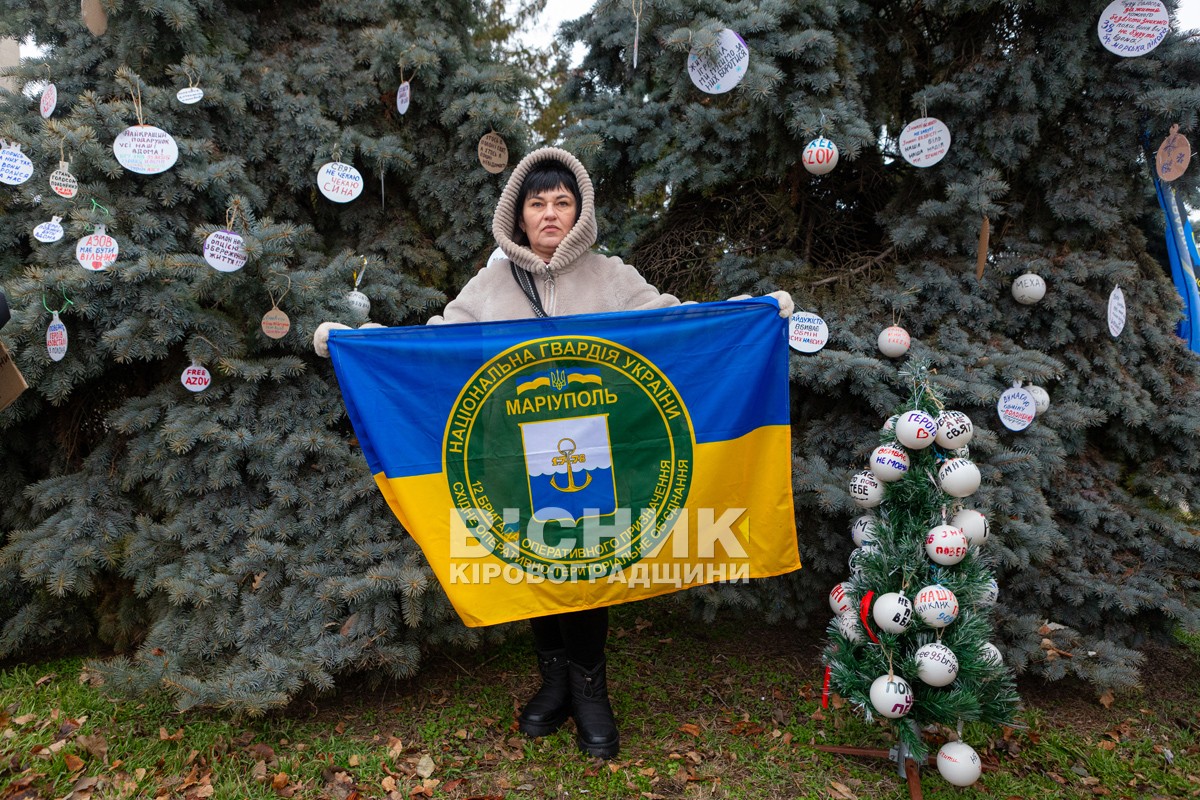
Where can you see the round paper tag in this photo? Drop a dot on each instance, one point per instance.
(49, 231)
(1016, 408)
(339, 182)
(56, 339)
(96, 250)
(807, 332)
(276, 324)
(15, 167)
(1133, 27)
(49, 100)
(924, 142)
(145, 149)
(195, 378)
(1173, 156)
(403, 96)
(225, 251)
(94, 16)
(723, 72)
(493, 153)
(190, 96)
(63, 182)
(1116, 312)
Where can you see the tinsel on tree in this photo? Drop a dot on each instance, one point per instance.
(1092, 506)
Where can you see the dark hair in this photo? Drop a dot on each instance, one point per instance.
(544, 176)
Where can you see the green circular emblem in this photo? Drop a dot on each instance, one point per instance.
(569, 456)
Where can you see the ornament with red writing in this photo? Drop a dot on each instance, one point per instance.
(807, 332)
(946, 545)
(893, 342)
(50, 231)
(721, 71)
(916, 430)
(936, 664)
(1173, 156)
(973, 524)
(63, 182)
(275, 323)
(892, 612)
(49, 100)
(1041, 399)
(959, 763)
(820, 156)
(891, 696)
(839, 600)
(145, 149)
(56, 338)
(888, 462)
(190, 96)
(225, 251)
(864, 530)
(492, 153)
(196, 378)
(96, 250)
(936, 605)
(15, 166)
(959, 477)
(1017, 408)
(339, 182)
(954, 430)
(865, 489)
(1133, 27)
(403, 97)
(924, 142)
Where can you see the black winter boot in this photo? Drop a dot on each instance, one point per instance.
(593, 715)
(550, 706)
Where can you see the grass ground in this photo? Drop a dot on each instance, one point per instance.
(706, 711)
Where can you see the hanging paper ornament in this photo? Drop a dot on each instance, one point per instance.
(225, 251)
(94, 16)
(493, 153)
(848, 626)
(1132, 29)
(48, 101)
(1028, 289)
(820, 156)
(991, 654)
(190, 95)
(145, 149)
(723, 70)
(865, 489)
(50, 231)
(839, 601)
(275, 323)
(1116, 312)
(56, 338)
(1173, 155)
(96, 250)
(807, 332)
(973, 524)
(893, 342)
(954, 430)
(946, 545)
(863, 530)
(1016, 408)
(924, 142)
(196, 378)
(916, 430)
(892, 612)
(15, 166)
(936, 605)
(339, 182)
(891, 696)
(992, 594)
(936, 664)
(959, 764)
(959, 477)
(888, 462)
(63, 182)
(403, 97)
(1041, 399)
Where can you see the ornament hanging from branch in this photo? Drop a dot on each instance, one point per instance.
(15, 166)
(1116, 311)
(985, 232)
(196, 378)
(925, 141)
(143, 148)
(1173, 156)
(49, 232)
(62, 182)
(1132, 28)
(893, 341)
(1029, 288)
(339, 182)
(820, 156)
(97, 250)
(807, 332)
(48, 101)
(225, 250)
(56, 332)
(636, 7)
(1016, 408)
(192, 93)
(725, 70)
(492, 152)
(275, 323)
(359, 303)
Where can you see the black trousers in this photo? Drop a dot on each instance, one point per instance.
(581, 633)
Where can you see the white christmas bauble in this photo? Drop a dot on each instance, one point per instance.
(839, 601)
(954, 430)
(916, 430)
(847, 625)
(991, 595)
(858, 554)
(888, 462)
(991, 654)
(959, 477)
(865, 489)
(936, 664)
(1041, 399)
(894, 341)
(863, 531)
(974, 525)
(196, 378)
(820, 156)
(946, 545)
(890, 425)
(936, 605)
(959, 763)
(359, 303)
(1028, 289)
(892, 612)
(891, 696)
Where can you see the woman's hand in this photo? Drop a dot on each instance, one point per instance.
(321, 337)
(786, 306)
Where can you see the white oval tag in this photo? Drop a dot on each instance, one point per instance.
(196, 378)
(63, 182)
(339, 182)
(1116, 312)
(807, 332)
(225, 251)
(145, 149)
(96, 250)
(403, 97)
(190, 96)
(15, 167)
(1133, 27)
(56, 339)
(49, 232)
(1016, 408)
(492, 152)
(720, 74)
(49, 100)
(924, 142)
(276, 324)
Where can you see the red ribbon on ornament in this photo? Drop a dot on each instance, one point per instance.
(864, 609)
(825, 691)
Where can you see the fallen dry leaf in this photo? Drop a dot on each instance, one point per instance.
(1107, 745)
(450, 786)
(42, 681)
(95, 746)
(1106, 699)
(425, 766)
(74, 763)
(353, 760)
(690, 728)
(258, 773)
(279, 781)
(170, 737)
(841, 791)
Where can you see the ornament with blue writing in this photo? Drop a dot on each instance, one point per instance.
(56, 339)
(820, 156)
(807, 332)
(15, 166)
(49, 232)
(1133, 28)
(339, 182)
(721, 71)
(145, 149)
(924, 142)
(1017, 408)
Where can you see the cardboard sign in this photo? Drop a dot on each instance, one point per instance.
(1173, 156)
(12, 382)
(1133, 27)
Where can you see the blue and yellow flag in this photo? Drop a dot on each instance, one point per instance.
(549, 465)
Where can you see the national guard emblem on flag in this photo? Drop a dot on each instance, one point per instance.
(570, 468)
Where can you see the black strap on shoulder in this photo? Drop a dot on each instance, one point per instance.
(524, 280)
(3, 309)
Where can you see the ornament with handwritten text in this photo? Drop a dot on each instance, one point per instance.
(1116, 312)
(145, 149)
(48, 101)
(196, 378)
(1016, 408)
(225, 251)
(807, 333)
(97, 250)
(724, 69)
(1132, 28)
(493, 153)
(56, 338)
(924, 142)
(893, 341)
(49, 232)
(1028, 289)
(190, 95)
(339, 182)
(820, 156)
(891, 696)
(15, 166)
(1173, 156)
(62, 182)
(403, 97)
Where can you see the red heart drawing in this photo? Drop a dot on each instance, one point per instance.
(922, 433)
(97, 265)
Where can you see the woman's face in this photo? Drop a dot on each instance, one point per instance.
(546, 218)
